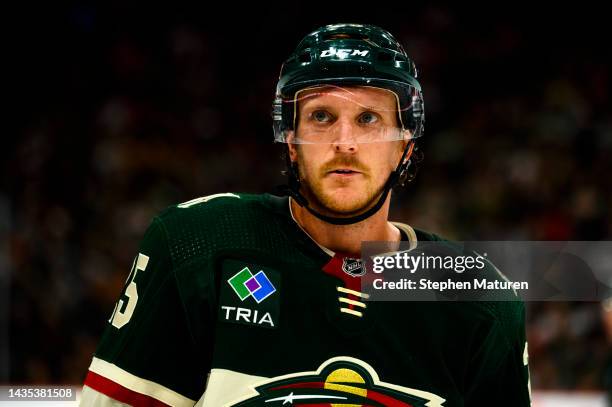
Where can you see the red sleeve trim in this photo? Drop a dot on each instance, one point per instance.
(120, 393)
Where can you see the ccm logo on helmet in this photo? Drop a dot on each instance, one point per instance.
(343, 52)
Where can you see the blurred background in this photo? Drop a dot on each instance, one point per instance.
(123, 110)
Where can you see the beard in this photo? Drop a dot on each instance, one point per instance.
(350, 199)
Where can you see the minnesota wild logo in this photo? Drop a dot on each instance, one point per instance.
(339, 382)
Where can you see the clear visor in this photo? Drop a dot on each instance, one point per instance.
(330, 114)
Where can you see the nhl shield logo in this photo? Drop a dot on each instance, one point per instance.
(353, 267)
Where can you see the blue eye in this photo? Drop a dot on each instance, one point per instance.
(368, 117)
(321, 116)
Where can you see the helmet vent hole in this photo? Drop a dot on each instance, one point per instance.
(305, 57)
(385, 56)
(345, 36)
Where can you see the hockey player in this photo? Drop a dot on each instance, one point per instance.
(253, 300)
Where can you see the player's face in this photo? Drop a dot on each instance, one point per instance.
(345, 175)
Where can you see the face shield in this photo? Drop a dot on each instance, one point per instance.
(331, 114)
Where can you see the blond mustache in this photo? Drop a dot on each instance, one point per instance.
(356, 165)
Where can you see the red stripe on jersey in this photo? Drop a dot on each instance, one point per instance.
(371, 395)
(334, 267)
(328, 405)
(303, 385)
(118, 392)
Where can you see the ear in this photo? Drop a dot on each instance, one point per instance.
(410, 146)
(407, 142)
(409, 152)
(291, 146)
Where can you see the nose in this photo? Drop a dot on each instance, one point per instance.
(344, 137)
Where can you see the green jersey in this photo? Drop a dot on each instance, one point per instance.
(229, 302)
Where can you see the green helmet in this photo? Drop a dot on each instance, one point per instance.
(349, 55)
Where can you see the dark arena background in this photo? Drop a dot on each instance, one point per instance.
(123, 110)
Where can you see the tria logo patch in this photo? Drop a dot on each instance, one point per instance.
(249, 316)
(245, 285)
(248, 297)
(353, 267)
(340, 381)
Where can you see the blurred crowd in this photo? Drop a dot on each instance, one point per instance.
(121, 115)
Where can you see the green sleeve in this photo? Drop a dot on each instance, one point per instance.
(153, 342)
(499, 375)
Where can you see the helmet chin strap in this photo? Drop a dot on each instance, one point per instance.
(293, 190)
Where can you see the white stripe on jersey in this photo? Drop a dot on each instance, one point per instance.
(93, 398)
(226, 386)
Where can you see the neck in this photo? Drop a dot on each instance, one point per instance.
(347, 238)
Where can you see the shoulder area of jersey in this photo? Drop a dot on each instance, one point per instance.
(492, 301)
(218, 207)
(210, 201)
(213, 202)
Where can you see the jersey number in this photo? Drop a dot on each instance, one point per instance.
(119, 317)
